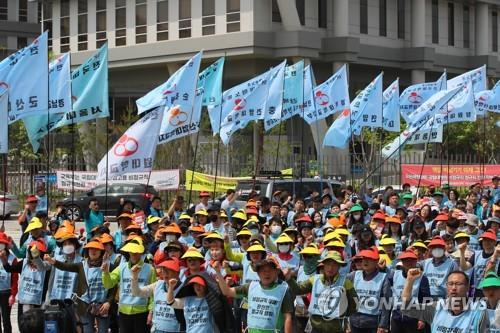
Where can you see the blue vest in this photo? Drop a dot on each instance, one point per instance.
(5, 276)
(164, 318)
(474, 243)
(292, 263)
(64, 283)
(369, 292)
(398, 284)
(95, 291)
(301, 277)
(491, 316)
(264, 306)
(437, 276)
(466, 322)
(126, 297)
(249, 274)
(479, 266)
(30, 285)
(198, 316)
(325, 299)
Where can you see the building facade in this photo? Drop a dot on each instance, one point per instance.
(415, 40)
(19, 24)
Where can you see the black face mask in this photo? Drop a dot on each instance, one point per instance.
(213, 218)
(184, 229)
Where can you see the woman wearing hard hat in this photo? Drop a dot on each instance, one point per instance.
(133, 311)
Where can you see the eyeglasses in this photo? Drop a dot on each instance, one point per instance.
(455, 284)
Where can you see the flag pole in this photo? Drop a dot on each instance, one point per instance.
(107, 161)
(4, 176)
(484, 149)
(425, 156)
(47, 183)
(281, 121)
(197, 137)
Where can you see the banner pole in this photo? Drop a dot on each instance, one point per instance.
(4, 176)
(425, 157)
(47, 182)
(107, 158)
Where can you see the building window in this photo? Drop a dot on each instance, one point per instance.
(451, 24)
(494, 32)
(233, 15)
(382, 18)
(276, 12)
(435, 22)
(100, 23)
(184, 18)
(82, 25)
(140, 21)
(401, 19)
(363, 16)
(47, 19)
(466, 30)
(120, 22)
(162, 20)
(322, 11)
(208, 19)
(64, 26)
(4, 9)
(23, 10)
(301, 10)
(22, 42)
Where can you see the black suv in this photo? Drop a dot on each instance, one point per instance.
(138, 193)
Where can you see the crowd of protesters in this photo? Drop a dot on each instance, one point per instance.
(331, 262)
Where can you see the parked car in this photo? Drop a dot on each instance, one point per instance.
(9, 204)
(266, 187)
(396, 188)
(138, 193)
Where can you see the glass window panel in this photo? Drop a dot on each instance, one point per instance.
(121, 19)
(208, 7)
(162, 11)
(140, 15)
(184, 9)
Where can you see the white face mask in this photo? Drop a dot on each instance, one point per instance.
(2, 246)
(68, 249)
(170, 238)
(284, 248)
(356, 216)
(437, 253)
(276, 229)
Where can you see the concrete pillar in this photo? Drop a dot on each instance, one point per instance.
(173, 20)
(196, 13)
(340, 18)
(417, 76)
(130, 22)
(110, 23)
(417, 23)
(151, 21)
(482, 29)
(289, 15)
(91, 24)
(247, 12)
(220, 17)
(73, 26)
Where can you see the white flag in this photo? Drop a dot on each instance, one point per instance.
(4, 122)
(488, 100)
(135, 150)
(390, 105)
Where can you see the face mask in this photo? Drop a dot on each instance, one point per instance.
(437, 253)
(254, 231)
(371, 212)
(276, 229)
(2, 246)
(283, 248)
(170, 238)
(213, 218)
(356, 216)
(68, 249)
(184, 229)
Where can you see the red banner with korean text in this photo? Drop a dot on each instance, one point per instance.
(460, 175)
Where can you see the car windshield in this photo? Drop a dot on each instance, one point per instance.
(246, 186)
(302, 189)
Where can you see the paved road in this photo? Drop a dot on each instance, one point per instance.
(13, 229)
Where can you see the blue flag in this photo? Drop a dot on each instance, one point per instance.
(245, 109)
(390, 105)
(211, 82)
(25, 74)
(89, 86)
(178, 89)
(367, 106)
(414, 96)
(59, 101)
(488, 100)
(294, 90)
(4, 122)
(478, 77)
(330, 97)
(274, 104)
(181, 120)
(424, 113)
(235, 98)
(308, 106)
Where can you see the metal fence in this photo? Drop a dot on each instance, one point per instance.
(22, 176)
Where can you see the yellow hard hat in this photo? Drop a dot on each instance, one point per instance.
(256, 248)
(133, 246)
(330, 236)
(244, 232)
(284, 238)
(35, 223)
(201, 212)
(240, 215)
(311, 249)
(420, 245)
(153, 219)
(335, 243)
(184, 216)
(387, 241)
(214, 235)
(193, 253)
(342, 231)
(461, 234)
